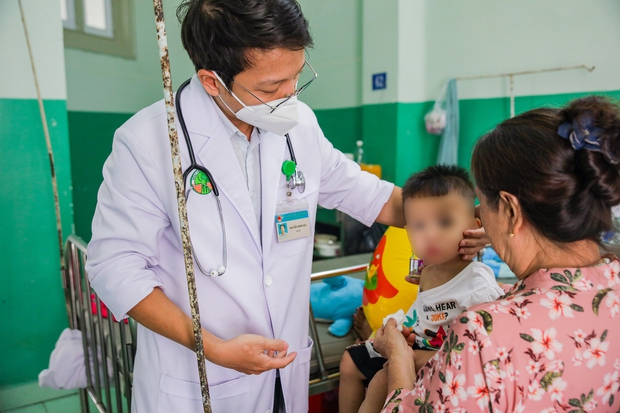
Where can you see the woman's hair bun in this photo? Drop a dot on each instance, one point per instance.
(562, 164)
(592, 125)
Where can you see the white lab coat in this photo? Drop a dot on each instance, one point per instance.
(136, 246)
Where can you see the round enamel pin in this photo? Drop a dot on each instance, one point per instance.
(200, 182)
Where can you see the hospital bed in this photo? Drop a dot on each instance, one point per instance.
(110, 346)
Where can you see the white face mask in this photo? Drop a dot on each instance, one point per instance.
(282, 120)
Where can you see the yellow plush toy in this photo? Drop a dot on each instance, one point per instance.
(385, 288)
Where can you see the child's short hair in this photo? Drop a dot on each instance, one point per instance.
(439, 180)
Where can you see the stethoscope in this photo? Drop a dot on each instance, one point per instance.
(294, 177)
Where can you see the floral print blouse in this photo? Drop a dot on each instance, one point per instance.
(549, 345)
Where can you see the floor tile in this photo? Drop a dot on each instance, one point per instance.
(27, 394)
(35, 408)
(69, 404)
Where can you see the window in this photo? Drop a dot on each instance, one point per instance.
(98, 17)
(101, 26)
(67, 12)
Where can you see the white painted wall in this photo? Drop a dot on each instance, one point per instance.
(487, 36)
(105, 83)
(419, 43)
(380, 49)
(412, 49)
(16, 79)
(336, 27)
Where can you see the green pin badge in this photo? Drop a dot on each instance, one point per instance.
(288, 169)
(200, 182)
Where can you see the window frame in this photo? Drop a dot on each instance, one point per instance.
(122, 43)
(109, 31)
(69, 23)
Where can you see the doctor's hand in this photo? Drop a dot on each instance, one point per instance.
(474, 240)
(252, 354)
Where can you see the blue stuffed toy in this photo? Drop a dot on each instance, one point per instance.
(490, 258)
(336, 299)
(499, 267)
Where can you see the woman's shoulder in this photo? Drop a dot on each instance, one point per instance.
(569, 279)
(558, 299)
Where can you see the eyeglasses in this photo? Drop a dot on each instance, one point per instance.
(296, 92)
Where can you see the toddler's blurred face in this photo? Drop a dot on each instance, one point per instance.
(435, 225)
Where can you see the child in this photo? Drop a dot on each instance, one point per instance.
(439, 206)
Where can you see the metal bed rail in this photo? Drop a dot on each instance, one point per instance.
(324, 380)
(110, 346)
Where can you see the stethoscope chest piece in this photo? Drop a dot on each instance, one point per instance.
(298, 180)
(294, 177)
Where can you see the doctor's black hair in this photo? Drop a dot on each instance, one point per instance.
(217, 34)
(439, 180)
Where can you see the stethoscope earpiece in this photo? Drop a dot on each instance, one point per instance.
(220, 271)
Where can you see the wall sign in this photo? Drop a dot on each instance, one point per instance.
(379, 81)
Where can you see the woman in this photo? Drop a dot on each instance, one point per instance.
(546, 181)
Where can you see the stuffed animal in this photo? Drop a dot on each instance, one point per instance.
(499, 267)
(336, 299)
(490, 258)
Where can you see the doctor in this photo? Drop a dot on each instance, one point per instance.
(248, 57)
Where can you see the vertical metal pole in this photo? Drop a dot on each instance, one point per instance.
(103, 350)
(84, 401)
(92, 339)
(70, 288)
(112, 326)
(317, 346)
(78, 280)
(126, 366)
(179, 184)
(48, 143)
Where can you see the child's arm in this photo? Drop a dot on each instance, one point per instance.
(421, 357)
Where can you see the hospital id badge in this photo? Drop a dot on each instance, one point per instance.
(292, 220)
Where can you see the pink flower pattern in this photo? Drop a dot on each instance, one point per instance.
(548, 345)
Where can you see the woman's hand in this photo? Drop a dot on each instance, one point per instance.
(250, 354)
(474, 240)
(392, 344)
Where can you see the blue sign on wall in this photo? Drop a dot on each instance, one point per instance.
(379, 81)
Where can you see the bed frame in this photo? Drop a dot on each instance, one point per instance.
(110, 346)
